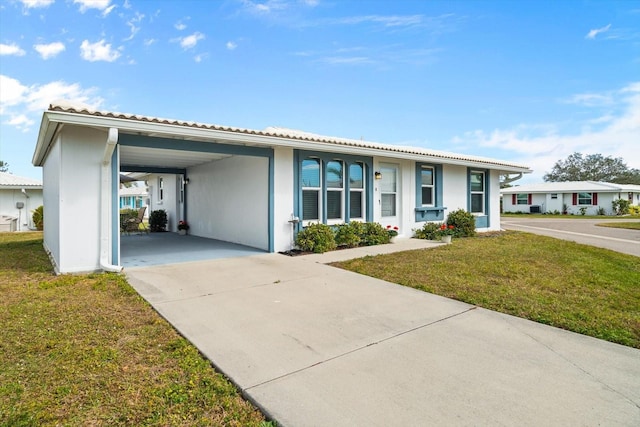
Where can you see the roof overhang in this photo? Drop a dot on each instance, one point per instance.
(56, 117)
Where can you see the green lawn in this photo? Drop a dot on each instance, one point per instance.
(581, 288)
(87, 350)
(627, 225)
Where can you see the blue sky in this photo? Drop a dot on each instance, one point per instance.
(524, 81)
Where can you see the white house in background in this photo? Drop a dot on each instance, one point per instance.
(570, 196)
(134, 197)
(18, 198)
(240, 185)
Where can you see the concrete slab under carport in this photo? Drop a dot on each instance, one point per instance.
(147, 249)
(315, 345)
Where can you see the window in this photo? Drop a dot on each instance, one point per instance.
(554, 196)
(585, 199)
(332, 190)
(428, 187)
(522, 199)
(388, 189)
(311, 189)
(476, 184)
(356, 191)
(335, 193)
(160, 189)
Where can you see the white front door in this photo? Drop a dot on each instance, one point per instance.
(389, 194)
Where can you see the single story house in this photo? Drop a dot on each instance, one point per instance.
(134, 197)
(19, 197)
(569, 197)
(252, 187)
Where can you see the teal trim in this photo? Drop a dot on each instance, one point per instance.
(271, 208)
(186, 145)
(153, 169)
(430, 213)
(482, 221)
(347, 159)
(115, 211)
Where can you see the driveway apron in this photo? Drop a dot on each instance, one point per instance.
(314, 345)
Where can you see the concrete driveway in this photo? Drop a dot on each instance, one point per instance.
(584, 231)
(314, 345)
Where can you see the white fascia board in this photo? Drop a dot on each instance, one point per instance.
(186, 132)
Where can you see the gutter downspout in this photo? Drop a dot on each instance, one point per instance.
(105, 206)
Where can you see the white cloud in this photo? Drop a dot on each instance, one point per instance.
(180, 26)
(191, 41)
(198, 58)
(132, 25)
(98, 51)
(11, 49)
(21, 105)
(50, 50)
(593, 33)
(33, 4)
(265, 7)
(149, 42)
(102, 5)
(590, 99)
(613, 134)
(231, 45)
(347, 60)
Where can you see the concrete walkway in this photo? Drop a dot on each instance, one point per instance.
(313, 345)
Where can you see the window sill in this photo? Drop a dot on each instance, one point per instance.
(430, 213)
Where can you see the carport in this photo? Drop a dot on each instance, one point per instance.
(143, 250)
(224, 191)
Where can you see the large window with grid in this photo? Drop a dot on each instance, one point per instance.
(333, 190)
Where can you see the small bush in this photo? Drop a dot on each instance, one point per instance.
(601, 211)
(350, 235)
(634, 210)
(316, 238)
(583, 211)
(38, 217)
(158, 220)
(429, 231)
(620, 206)
(464, 223)
(375, 234)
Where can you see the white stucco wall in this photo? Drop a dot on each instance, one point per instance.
(71, 173)
(170, 198)
(228, 200)
(8, 199)
(283, 199)
(51, 203)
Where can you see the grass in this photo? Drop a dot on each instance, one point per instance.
(627, 225)
(87, 350)
(580, 288)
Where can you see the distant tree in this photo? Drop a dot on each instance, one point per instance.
(4, 166)
(593, 167)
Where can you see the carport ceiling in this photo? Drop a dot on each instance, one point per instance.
(155, 157)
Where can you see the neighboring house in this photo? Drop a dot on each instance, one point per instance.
(134, 198)
(569, 197)
(18, 198)
(239, 185)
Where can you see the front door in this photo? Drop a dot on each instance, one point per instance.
(389, 194)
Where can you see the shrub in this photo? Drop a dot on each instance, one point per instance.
(620, 206)
(464, 223)
(38, 217)
(601, 211)
(634, 210)
(350, 235)
(375, 234)
(583, 211)
(428, 231)
(316, 238)
(158, 220)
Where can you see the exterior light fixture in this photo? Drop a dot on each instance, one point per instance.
(377, 175)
